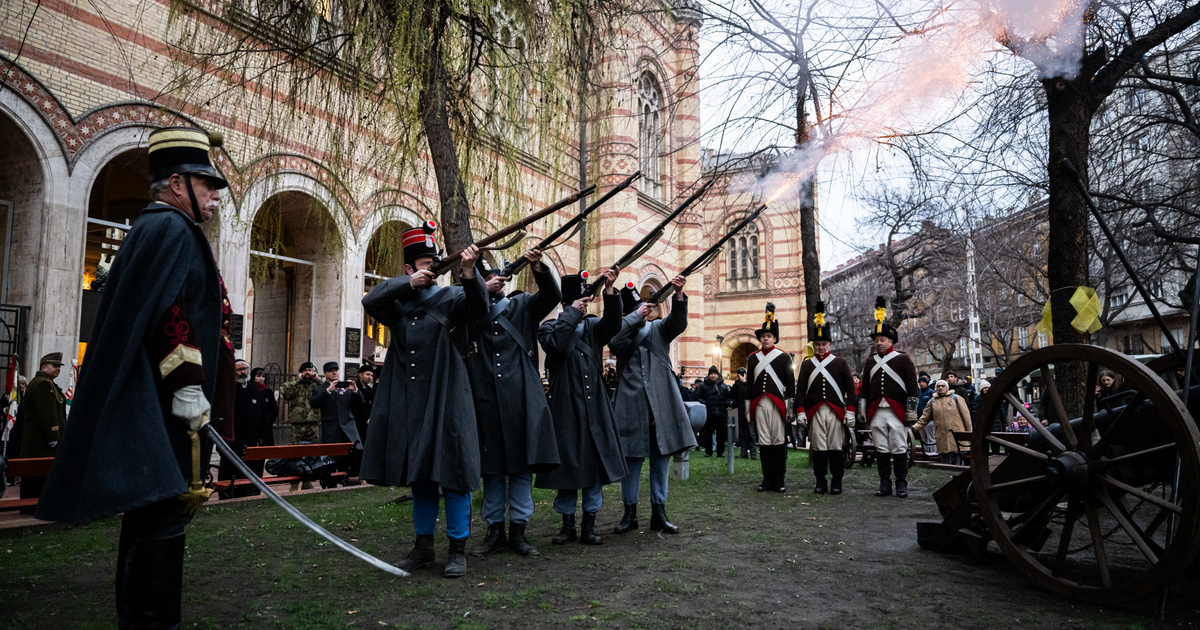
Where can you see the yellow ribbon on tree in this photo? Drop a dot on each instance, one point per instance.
(1087, 313)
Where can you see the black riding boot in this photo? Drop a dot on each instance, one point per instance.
(781, 455)
(767, 463)
(658, 519)
(820, 464)
(421, 555)
(884, 462)
(456, 560)
(567, 533)
(587, 533)
(629, 521)
(517, 541)
(900, 462)
(495, 541)
(150, 583)
(837, 467)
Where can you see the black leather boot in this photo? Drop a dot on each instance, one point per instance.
(587, 532)
(885, 475)
(900, 463)
(517, 541)
(837, 467)
(456, 560)
(495, 541)
(421, 555)
(781, 455)
(567, 533)
(629, 521)
(150, 583)
(768, 468)
(820, 462)
(658, 519)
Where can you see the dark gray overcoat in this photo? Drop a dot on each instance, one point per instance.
(648, 386)
(337, 413)
(516, 431)
(588, 447)
(423, 421)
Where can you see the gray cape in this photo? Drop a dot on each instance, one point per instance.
(423, 421)
(588, 447)
(516, 431)
(648, 385)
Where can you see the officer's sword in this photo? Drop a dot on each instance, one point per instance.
(227, 453)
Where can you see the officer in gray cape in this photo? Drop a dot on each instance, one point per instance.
(588, 447)
(651, 419)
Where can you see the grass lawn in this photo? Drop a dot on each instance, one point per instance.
(742, 560)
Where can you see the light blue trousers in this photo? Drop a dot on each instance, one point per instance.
(512, 491)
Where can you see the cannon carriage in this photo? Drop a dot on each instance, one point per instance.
(1102, 503)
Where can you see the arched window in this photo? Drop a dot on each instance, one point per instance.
(743, 261)
(650, 133)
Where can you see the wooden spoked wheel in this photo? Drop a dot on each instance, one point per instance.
(1095, 508)
(849, 449)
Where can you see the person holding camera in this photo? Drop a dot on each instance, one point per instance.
(336, 400)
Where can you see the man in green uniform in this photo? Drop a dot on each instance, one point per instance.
(305, 421)
(44, 415)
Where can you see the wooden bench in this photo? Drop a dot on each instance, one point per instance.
(28, 467)
(263, 453)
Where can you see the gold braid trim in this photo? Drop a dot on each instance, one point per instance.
(197, 494)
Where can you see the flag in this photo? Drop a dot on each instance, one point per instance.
(14, 374)
(71, 385)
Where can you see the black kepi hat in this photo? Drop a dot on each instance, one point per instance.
(630, 299)
(572, 286)
(183, 151)
(330, 365)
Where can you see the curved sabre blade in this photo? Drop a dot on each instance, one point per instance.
(244, 470)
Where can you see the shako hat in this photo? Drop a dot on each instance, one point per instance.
(183, 151)
(770, 325)
(820, 331)
(883, 329)
(572, 286)
(630, 298)
(418, 243)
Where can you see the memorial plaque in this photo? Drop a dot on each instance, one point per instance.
(354, 342)
(235, 333)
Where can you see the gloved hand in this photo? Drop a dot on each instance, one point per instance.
(802, 420)
(191, 407)
(849, 420)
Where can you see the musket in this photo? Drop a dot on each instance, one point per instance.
(446, 263)
(706, 257)
(650, 239)
(517, 265)
(244, 470)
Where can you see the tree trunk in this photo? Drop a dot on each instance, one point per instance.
(810, 259)
(1067, 262)
(435, 117)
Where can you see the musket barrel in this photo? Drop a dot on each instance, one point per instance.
(707, 256)
(519, 264)
(449, 261)
(649, 239)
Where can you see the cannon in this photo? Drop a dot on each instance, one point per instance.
(1102, 503)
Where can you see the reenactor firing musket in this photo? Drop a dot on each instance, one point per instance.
(649, 240)
(516, 266)
(706, 257)
(446, 263)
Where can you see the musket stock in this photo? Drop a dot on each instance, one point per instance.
(446, 263)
